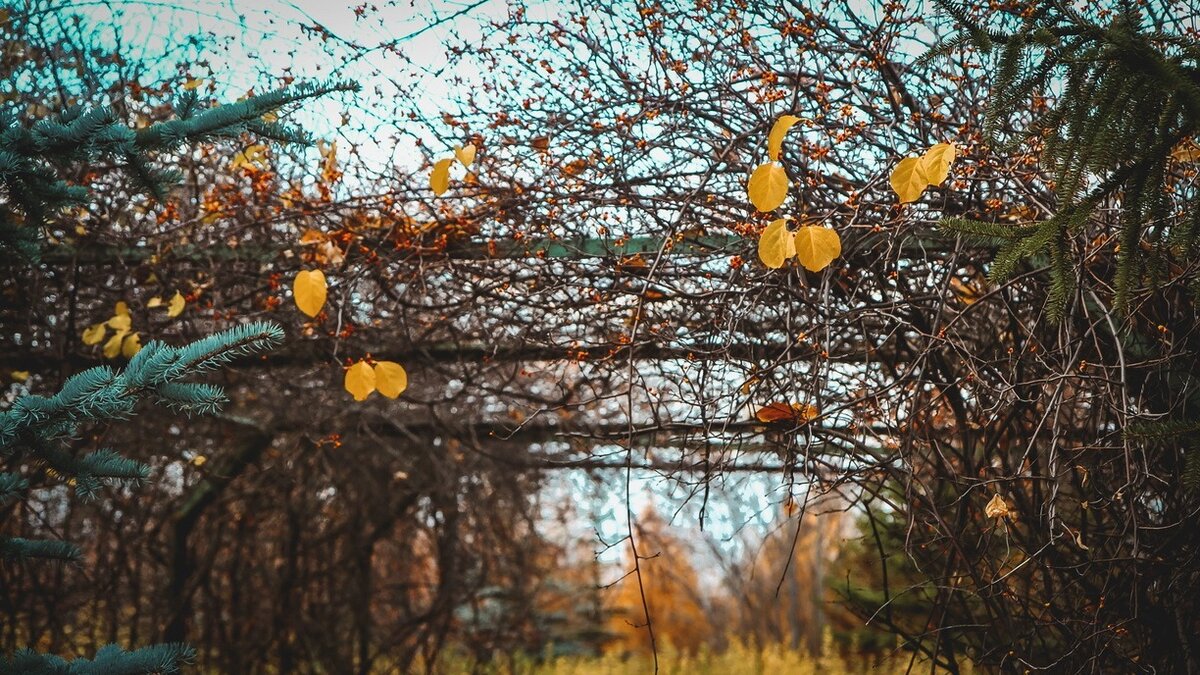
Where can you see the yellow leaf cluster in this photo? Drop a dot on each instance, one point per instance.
(814, 246)
(309, 291)
(913, 174)
(122, 341)
(386, 377)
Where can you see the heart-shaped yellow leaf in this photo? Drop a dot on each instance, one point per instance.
(439, 180)
(776, 244)
(390, 378)
(177, 304)
(360, 380)
(768, 186)
(935, 164)
(817, 246)
(465, 154)
(908, 179)
(778, 131)
(92, 335)
(309, 291)
(131, 345)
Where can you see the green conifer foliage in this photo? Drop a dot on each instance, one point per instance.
(35, 431)
(31, 157)
(1123, 95)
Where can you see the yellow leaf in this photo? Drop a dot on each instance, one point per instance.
(360, 380)
(131, 345)
(121, 309)
(93, 334)
(768, 186)
(908, 179)
(329, 164)
(177, 305)
(817, 247)
(775, 138)
(996, 508)
(390, 378)
(787, 412)
(439, 180)
(19, 375)
(193, 83)
(309, 290)
(120, 322)
(935, 164)
(312, 236)
(113, 346)
(154, 302)
(776, 244)
(465, 155)
(969, 293)
(199, 460)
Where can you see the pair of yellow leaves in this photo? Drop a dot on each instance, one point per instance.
(386, 377)
(813, 245)
(123, 340)
(913, 174)
(439, 180)
(174, 306)
(309, 291)
(768, 185)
